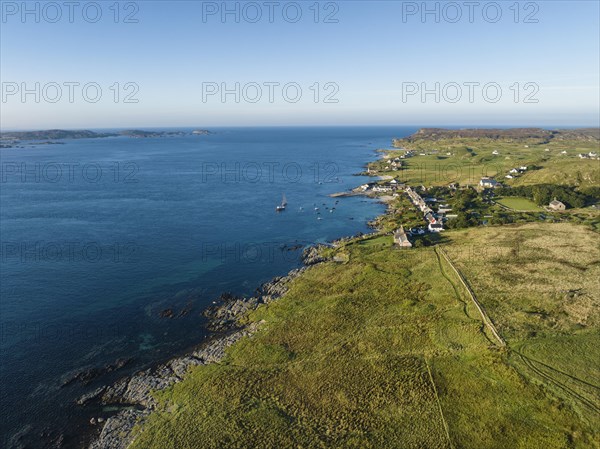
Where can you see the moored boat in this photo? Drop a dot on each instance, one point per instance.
(281, 207)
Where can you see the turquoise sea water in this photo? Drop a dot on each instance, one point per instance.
(100, 236)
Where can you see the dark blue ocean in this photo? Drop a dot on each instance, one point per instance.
(101, 237)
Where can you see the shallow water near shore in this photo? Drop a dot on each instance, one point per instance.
(111, 249)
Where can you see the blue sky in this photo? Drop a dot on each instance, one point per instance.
(371, 57)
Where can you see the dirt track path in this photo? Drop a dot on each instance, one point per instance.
(531, 364)
(439, 403)
(486, 319)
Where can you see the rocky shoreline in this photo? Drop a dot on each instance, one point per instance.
(134, 392)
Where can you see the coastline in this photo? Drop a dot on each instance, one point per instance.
(157, 334)
(133, 393)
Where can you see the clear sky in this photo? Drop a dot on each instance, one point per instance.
(373, 57)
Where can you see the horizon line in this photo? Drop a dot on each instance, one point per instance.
(450, 126)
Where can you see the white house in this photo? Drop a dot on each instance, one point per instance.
(488, 183)
(514, 171)
(523, 167)
(509, 176)
(435, 227)
(495, 152)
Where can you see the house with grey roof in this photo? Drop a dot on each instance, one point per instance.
(556, 205)
(401, 239)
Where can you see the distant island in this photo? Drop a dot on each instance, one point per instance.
(53, 134)
(143, 134)
(12, 138)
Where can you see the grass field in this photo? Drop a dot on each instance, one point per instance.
(387, 350)
(539, 284)
(519, 204)
(466, 160)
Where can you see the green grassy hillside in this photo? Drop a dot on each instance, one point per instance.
(466, 160)
(388, 350)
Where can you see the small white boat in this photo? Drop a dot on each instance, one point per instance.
(281, 207)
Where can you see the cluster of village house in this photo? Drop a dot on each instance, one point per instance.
(590, 155)
(391, 164)
(514, 172)
(434, 220)
(490, 183)
(390, 187)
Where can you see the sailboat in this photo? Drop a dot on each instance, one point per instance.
(281, 207)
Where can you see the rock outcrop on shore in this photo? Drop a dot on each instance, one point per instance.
(137, 389)
(88, 374)
(134, 392)
(312, 255)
